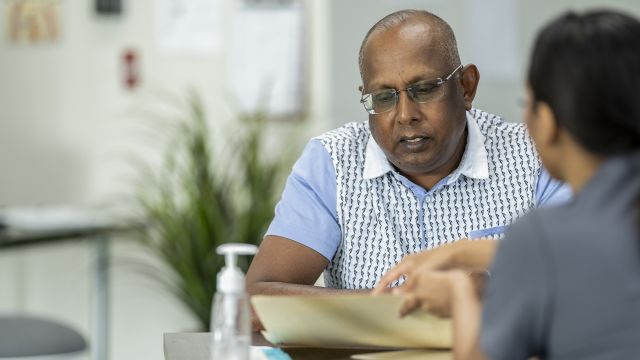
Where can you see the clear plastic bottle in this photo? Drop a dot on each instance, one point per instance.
(230, 319)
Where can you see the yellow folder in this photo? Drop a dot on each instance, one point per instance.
(349, 321)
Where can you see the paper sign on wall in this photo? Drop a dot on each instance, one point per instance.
(188, 26)
(267, 59)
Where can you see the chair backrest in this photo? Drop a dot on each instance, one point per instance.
(26, 338)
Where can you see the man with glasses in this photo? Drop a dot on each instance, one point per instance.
(426, 169)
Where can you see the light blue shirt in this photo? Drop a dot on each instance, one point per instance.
(307, 211)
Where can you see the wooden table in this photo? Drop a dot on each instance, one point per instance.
(195, 346)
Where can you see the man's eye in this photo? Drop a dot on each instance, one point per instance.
(424, 89)
(383, 96)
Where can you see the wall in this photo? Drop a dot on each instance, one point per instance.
(67, 127)
(497, 94)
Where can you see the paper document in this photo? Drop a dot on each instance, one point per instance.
(348, 321)
(406, 355)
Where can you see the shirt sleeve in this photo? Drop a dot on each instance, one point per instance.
(516, 303)
(551, 192)
(306, 213)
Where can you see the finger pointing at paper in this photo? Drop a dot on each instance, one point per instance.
(470, 255)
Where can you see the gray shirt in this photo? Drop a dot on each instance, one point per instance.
(565, 282)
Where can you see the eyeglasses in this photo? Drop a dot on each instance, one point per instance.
(382, 101)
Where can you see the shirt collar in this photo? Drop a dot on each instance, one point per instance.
(474, 163)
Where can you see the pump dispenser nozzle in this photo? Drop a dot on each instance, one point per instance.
(231, 279)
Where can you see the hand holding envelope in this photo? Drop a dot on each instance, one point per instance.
(429, 275)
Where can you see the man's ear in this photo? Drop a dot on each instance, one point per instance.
(360, 89)
(548, 130)
(470, 78)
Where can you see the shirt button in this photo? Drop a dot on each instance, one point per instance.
(429, 234)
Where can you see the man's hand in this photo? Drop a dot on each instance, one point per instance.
(470, 255)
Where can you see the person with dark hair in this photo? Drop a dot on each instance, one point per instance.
(426, 169)
(565, 281)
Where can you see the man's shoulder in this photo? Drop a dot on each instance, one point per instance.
(506, 143)
(352, 131)
(348, 137)
(499, 134)
(492, 125)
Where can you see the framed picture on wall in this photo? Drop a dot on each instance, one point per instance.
(32, 21)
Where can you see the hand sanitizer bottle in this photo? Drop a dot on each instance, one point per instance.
(230, 319)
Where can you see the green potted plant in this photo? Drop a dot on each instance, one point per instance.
(201, 198)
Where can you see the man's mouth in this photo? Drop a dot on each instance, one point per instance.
(414, 143)
(414, 140)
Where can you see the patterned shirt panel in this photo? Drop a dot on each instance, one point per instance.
(382, 219)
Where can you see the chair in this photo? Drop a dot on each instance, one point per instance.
(29, 338)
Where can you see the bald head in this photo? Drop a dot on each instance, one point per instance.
(440, 32)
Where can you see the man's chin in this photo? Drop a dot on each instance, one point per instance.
(419, 166)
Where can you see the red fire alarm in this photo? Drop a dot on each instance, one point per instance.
(130, 68)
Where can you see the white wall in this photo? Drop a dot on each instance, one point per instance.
(66, 127)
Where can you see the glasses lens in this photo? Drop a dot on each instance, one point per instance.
(383, 100)
(425, 91)
(367, 102)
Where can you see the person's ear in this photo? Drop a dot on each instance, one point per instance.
(360, 88)
(469, 79)
(547, 129)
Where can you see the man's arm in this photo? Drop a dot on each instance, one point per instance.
(286, 267)
(304, 233)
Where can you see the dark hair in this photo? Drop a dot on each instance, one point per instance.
(586, 67)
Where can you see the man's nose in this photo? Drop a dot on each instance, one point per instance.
(407, 109)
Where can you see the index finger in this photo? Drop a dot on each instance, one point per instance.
(392, 275)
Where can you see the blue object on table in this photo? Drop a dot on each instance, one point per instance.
(276, 354)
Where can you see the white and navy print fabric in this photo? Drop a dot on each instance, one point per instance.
(382, 219)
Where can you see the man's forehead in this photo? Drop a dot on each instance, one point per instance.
(392, 56)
